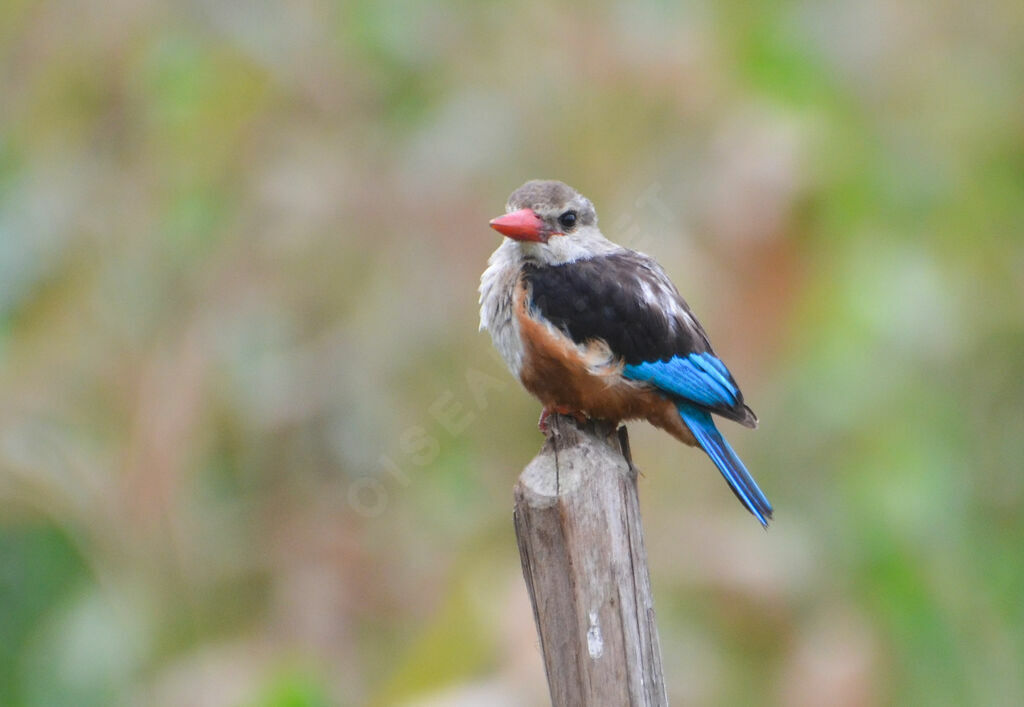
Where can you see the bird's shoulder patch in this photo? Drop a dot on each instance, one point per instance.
(622, 298)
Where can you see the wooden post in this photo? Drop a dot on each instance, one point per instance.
(582, 547)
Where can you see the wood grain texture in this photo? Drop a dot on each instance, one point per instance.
(581, 543)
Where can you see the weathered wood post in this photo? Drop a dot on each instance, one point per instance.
(582, 547)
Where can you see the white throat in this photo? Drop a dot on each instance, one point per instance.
(583, 244)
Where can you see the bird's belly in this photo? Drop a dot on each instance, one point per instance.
(563, 378)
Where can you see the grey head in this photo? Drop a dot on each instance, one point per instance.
(559, 206)
(551, 223)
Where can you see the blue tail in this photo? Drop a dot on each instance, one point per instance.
(740, 481)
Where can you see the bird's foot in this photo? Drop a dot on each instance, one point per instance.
(549, 410)
(542, 423)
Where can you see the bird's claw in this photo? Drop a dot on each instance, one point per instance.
(549, 410)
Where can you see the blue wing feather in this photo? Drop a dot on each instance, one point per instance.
(732, 468)
(699, 377)
(716, 369)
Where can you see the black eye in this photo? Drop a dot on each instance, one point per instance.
(568, 219)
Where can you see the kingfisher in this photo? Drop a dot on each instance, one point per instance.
(597, 330)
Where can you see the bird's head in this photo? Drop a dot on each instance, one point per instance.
(552, 222)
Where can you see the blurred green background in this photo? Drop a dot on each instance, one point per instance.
(253, 450)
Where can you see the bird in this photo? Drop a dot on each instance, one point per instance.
(596, 330)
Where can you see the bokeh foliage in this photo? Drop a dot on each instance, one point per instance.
(253, 450)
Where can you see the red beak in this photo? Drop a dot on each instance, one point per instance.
(522, 225)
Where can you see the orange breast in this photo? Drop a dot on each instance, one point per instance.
(587, 378)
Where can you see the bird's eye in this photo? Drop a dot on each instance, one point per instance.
(568, 219)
